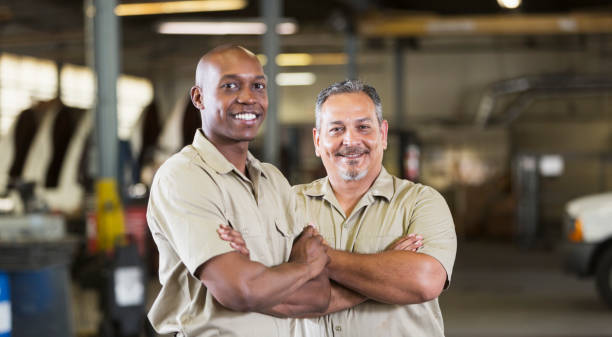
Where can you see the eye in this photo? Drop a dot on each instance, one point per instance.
(335, 130)
(364, 127)
(230, 85)
(259, 86)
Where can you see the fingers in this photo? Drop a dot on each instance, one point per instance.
(225, 232)
(234, 238)
(314, 227)
(309, 230)
(411, 242)
(242, 249)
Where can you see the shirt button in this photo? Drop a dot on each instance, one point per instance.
(338, 328)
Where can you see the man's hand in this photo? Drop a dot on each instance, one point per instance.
(310, 249)
(234, 238)
(410, 242)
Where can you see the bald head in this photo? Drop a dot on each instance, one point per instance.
(225, 53)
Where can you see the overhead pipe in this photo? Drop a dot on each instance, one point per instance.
(530, 88)
(411, 25)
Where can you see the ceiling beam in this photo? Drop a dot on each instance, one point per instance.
(411, 25)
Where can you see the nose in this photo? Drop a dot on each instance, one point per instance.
(245, 96)
(350, 137)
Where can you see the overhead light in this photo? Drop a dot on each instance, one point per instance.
(172, 7)
(509, 4)
(304, 59)
(223, 27)
(291, 79)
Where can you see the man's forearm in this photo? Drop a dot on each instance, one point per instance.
(312, 298)
(341, 299)
(251, 286)
(395, 277)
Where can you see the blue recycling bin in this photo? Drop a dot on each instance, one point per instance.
(36, 271)
(5, 305)
(41, 302)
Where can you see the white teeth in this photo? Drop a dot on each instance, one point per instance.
(246, 116)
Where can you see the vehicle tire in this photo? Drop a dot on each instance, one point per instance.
(604, 276)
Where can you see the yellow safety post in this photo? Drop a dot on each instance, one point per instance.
(109, 214)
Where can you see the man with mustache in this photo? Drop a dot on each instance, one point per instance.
(208, 289)
(361, 210)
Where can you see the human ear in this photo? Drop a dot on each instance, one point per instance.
(315, 139)
(384, 129)
(196, 97)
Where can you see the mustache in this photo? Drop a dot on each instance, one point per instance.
(351, 150)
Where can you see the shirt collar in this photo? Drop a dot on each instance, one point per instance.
(215, 159)
(382, 187)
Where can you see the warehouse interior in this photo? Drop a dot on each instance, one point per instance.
(507, 112)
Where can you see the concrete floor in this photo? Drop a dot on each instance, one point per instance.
(502, 291)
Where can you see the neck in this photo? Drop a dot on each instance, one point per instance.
(349, 192)
(235, 152)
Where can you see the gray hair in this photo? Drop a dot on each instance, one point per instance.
(347, 87)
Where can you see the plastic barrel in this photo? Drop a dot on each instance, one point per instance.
(5, 306)
(40, 302)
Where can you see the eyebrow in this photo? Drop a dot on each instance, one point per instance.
(364, 119)
(360, 120)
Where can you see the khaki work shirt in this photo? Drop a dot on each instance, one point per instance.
(391, 208)
(194, 192)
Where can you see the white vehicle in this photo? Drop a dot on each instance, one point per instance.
(588, 229)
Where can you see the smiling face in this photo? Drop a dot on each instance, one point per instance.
(231, 96)
(350, 140)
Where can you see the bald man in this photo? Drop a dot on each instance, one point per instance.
(208, 288)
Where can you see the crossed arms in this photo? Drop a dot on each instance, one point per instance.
(297, 287)
(398, 275)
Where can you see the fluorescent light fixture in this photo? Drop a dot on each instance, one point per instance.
(171, 7)
(551, 165)
(251, 27)
(304, 59)
(509, 4)
(296, 59)
(292, 79)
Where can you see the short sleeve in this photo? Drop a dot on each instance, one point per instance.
(432, 219)
(186, 208)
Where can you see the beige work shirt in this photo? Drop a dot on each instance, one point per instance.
(194, 192)
(391, 208)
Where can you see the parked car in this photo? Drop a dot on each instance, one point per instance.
(588, 247)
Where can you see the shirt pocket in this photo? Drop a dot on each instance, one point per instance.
(283, 229)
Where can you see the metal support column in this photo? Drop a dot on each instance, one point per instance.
(398, 60)
(271, 11)
(351, 52)
(106, 54)
(111, 229)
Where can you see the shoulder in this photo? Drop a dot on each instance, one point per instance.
(406, 188)
(275, 175)
(276, 181)
(184, 168)
(304, 189)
